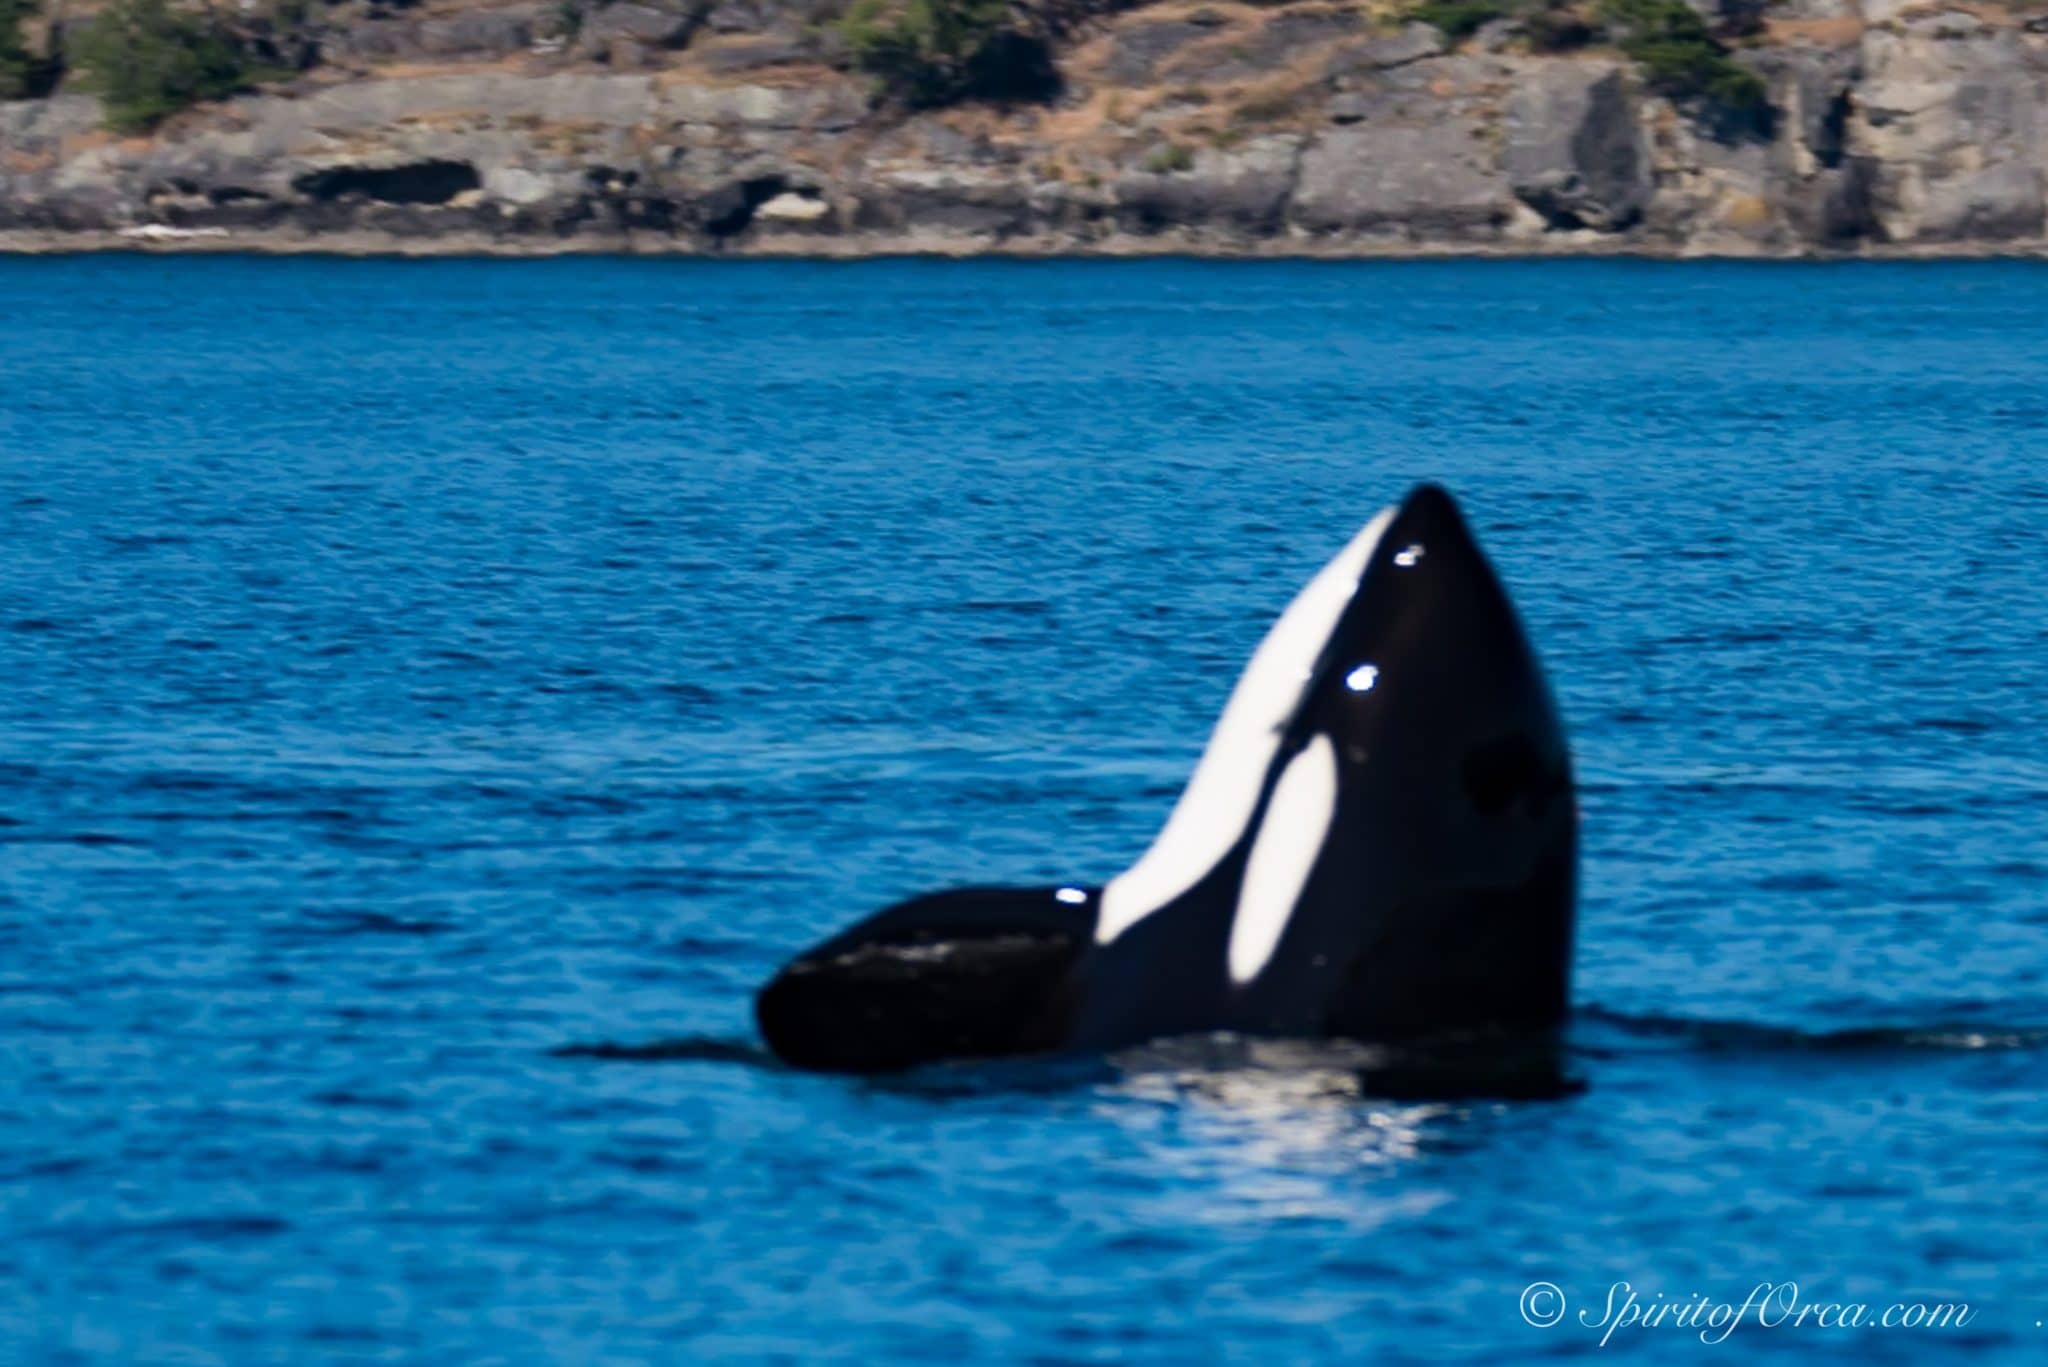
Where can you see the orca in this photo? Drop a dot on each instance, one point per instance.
(1379, 843)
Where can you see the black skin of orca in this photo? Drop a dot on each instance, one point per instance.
(1439, 907)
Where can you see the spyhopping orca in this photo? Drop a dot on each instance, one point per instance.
(1380, 843)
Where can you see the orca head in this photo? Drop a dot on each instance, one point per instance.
(1380, 841)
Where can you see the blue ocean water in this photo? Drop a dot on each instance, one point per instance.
(410, 669)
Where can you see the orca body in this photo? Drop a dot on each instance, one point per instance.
(1380, 843)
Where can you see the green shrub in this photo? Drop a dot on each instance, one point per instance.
(934, 52)
(1172, 157)
(1558, 26)
(1678, 56)
(148, 61)
(1667, 39)
(19, 68)
(1460, 19)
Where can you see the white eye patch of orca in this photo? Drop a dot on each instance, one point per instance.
(1290, 841)
(1219, 800)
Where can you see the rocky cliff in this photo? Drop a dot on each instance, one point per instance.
(1186, 125)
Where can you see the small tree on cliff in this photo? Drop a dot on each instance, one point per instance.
(147, 61)
(21, 71)
(934, 52)
(1679, 55)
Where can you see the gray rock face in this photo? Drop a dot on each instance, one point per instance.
(628, 34)
(1290, 125)
(1576, 152)
(989, 209)
(1952, 122)
(1496, 35)
(1279, 43)
(1996, 203)
(1821, 188)
(1142, 49)
(786, 18)
(1820, 96)
(742, 16)
(485, 34)
(1428, 180)
(754, 54)
(1411, 43)
(1244, 188)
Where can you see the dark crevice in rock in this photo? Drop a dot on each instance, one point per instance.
(731, 209)
(1840, 210)
(1854, 212)
(1831, 134)
(1576, 154)
(1015, 68)
(1557, 218)
(1731, 124)
(1609, 145)
(420, 182)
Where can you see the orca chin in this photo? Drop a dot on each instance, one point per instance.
(1380, 843)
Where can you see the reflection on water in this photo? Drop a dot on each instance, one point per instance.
(1248, 1129)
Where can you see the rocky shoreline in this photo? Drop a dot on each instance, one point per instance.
(1302, 129)
(868, 247)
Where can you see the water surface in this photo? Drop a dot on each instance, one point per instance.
(410, 669)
